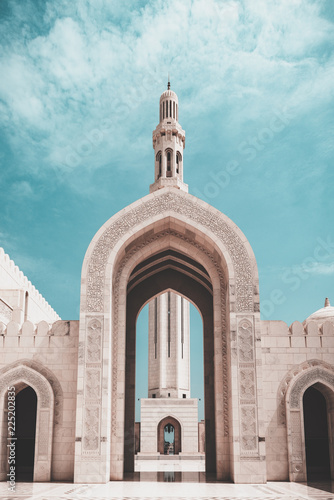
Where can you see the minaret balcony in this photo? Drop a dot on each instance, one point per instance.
(164, 182)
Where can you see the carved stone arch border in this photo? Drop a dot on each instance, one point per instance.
(22, 374)
(321, 375)
(286, 383)
(53, 381)
(161, 204)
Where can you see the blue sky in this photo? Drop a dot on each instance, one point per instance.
(79, 92)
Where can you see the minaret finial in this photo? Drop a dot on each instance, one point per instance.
(168, 84)
(327, 303)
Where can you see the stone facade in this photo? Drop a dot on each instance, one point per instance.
(44, 358)
(154, 411)
(83, 373)
(294, 359)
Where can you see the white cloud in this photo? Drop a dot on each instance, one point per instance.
(22, 189)
(320, 268)
(103, 61)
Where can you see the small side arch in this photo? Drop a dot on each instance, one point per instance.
(321, 377)
(19, 377)
(177, 434)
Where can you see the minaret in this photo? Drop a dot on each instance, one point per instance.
(168, 145)
(169, 347)
(168, 405)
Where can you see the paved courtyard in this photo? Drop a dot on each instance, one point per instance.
(145, 490)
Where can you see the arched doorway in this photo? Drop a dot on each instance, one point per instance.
(33, 389)
(172, 428)
(215, 269)
(140, 291)
(316, 434)
(25, 433)
(309, 403)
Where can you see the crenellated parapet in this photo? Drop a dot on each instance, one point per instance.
(16, 290)
(313, 334)
(29, 330)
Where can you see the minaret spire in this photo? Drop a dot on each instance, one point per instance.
(168, 144)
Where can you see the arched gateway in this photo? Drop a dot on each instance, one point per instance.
(169, 240)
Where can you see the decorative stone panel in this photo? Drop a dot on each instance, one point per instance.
(92, 385)
(43, 438)
(246, 342)
(6, 310)
(94, 341)
(247, 388)
(247, 385)
(91, 429)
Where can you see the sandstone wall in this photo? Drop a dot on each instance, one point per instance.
(52, 351)
(285, 352)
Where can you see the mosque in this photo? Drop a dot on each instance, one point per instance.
(268, 387)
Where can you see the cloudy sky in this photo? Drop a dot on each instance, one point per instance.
(79, 92)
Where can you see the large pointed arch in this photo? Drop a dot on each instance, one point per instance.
(168, 221)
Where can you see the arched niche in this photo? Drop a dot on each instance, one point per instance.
(19, 377)
(177, 434)
(322, 378)
(168, 221)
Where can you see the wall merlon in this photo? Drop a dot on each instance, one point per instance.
(277, 329)
(59, 329)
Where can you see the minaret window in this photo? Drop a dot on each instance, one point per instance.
(174, 110)
(170, 109)
(155, 327)
(178, 162)
(158, 159)
(182, 327)
(169, 163)
(166, 103)
(163, 110)
(26, 306)
(168, 320)
(177, 114)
